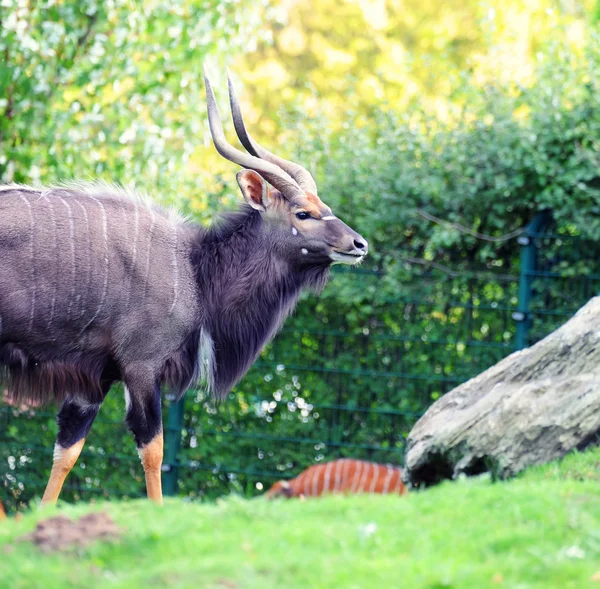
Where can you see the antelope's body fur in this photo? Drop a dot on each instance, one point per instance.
(345, 475)
(86, 274)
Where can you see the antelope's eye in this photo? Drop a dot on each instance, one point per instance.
(302, 215)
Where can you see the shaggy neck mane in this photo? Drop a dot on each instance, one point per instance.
(247, 291)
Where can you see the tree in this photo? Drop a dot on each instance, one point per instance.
(112, 89)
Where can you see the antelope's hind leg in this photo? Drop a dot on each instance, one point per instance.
(144, 419)
(74, 422)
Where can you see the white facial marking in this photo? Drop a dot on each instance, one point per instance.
(304, 250)
(328, 218)
(294, 231)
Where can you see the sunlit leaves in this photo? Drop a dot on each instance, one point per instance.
(111, 89)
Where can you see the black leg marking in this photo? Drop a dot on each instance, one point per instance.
(74, 422)
(144, 417)
(75, 418)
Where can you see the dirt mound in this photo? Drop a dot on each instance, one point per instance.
(62, 533)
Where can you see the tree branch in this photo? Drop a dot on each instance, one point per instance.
(468, 231)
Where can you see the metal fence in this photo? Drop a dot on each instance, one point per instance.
(321, 390)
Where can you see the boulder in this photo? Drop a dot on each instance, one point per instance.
(532, 407)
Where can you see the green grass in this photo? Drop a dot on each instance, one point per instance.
(540, 530)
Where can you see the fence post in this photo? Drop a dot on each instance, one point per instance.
(528, 263)
(172, 446)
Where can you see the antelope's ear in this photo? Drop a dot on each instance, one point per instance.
(254, 188)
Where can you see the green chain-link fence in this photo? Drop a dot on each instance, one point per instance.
(348, 376)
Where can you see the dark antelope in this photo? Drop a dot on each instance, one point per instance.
(341, 476)
(98, 286)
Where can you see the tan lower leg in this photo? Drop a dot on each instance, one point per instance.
(64, 460)
(151, 455)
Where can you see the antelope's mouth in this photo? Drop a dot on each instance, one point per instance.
(347, 257)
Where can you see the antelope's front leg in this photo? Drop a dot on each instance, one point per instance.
(144, 419)
(74, 422)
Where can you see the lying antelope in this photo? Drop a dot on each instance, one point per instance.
(341, 476)
(98, 286)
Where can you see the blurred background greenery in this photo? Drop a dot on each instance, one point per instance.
(437, 130)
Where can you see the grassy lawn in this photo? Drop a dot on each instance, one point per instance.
(540, 530)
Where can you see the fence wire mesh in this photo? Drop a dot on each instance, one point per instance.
(348, 376)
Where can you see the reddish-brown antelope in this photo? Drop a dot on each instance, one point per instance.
(341, 476)
(98, 286)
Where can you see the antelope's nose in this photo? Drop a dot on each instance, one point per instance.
(361, 247)
(361, 244)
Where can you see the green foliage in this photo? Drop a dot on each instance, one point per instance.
(110, 89)
(506, 153)
(536, 532)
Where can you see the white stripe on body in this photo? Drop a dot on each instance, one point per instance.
(364, 478)
(175, 273)
(134, 242)
(388, 478)
(356, 479)
(315, 481)
(72, 241)
(374, 480)
(54, 233)
(338, 480)
(345, 468)
(106, 264)
(32, 274)
(327, 477)
(150, 235)
(89, 260)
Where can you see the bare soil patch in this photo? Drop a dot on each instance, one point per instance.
(61, 533)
